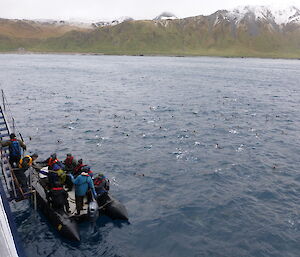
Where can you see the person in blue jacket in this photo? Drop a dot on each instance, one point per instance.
(15, 151)
(82, 184)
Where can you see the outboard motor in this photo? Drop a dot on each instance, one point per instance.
(93, 211)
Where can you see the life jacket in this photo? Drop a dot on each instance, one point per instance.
(25, 162)
(14, 148)
(91, 173)
(101, 184)
(78, 168)
(52, 161)
(98, 181)
(69, 161)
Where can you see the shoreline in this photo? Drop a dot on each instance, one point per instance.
(144, 55)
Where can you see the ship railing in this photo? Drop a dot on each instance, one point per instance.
(9, 126)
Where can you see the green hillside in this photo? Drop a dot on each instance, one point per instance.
(190, 36)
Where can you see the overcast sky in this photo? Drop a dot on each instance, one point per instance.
(110, 9)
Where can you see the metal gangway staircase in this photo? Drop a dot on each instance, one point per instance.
(10, 244)
(8, 126)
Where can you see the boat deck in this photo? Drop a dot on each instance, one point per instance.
(71, 198)
(72, 204)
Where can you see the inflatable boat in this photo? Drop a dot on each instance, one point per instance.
(67, 223)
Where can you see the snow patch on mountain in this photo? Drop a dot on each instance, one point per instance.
(266, 13)
(84, 23)
(166, 16)
(285, 16)
(112, 23)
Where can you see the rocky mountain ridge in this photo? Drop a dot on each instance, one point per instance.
(289, 15)
(265, 14)
(244, 31)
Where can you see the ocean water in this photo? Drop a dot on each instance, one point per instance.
(204, 152)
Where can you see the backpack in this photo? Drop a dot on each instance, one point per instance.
(15, 148)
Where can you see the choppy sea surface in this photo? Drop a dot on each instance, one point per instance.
(204, 152)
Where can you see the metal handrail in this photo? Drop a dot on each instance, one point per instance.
(12, 185)
(10, 121)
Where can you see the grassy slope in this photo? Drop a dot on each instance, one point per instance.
(30, 29)
(191, 36)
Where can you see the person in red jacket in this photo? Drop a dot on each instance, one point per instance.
(77, 169)
(52, 160)
(70, 163)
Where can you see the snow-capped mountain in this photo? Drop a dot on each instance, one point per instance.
(264, 13)
(244, 31)
(269, 14)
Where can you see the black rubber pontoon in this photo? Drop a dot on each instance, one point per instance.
(62, 222)
(111, 207)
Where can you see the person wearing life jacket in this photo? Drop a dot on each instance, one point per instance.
(101, 184)
(15, 151)
(53, 160)
(70, 163)
(60, 172)
(58, 198)
(77, 169)
(52, 178)
(82, 184)
(87, 169)
(24, 165)
(27, 161)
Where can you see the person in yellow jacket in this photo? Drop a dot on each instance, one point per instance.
(27, 161)
(24, 165)
(56, 174)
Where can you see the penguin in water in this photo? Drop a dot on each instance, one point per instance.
(217, 146)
